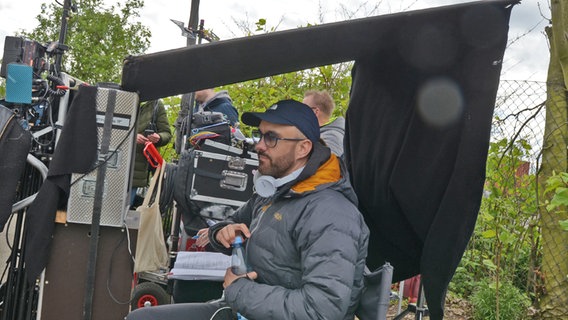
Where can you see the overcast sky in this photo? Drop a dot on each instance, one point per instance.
(525, 59)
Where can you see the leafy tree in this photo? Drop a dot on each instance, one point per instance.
(99, 38)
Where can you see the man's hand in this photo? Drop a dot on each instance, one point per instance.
(141, 139)
(154, 137)
(202, 237)
(230, 277)
(226, 236)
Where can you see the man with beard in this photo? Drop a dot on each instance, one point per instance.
(306, 241)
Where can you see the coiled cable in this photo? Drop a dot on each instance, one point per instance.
(167, 195)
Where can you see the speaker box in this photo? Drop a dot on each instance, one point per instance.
(119, 108)
(64, 286)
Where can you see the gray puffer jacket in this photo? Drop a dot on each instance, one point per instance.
(332, 134)
(308, 246)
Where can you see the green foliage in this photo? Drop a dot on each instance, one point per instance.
(259, 94)
(261, 25)
(564, 224)
(509, 304)
(463, 282)
(558, 184)
(172, 105)
(99, 38)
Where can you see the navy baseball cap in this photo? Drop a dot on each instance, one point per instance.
(287, 112)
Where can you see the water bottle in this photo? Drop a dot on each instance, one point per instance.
(238, 264)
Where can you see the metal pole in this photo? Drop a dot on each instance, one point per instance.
(188, 99)
(62, 33)
(400, 296)
(421, 309)
(193, 20)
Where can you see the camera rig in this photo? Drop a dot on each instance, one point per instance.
(36, 89)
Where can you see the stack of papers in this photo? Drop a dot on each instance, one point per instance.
(199, 265)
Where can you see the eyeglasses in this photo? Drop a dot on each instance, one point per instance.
(269, 138)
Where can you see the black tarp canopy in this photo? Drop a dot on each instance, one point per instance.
(418, 121)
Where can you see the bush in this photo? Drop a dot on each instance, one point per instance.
(463, 282)
(513, 304)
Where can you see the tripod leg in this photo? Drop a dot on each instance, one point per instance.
(421, 309)
(401, 315)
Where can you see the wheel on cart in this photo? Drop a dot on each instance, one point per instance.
(149, 294)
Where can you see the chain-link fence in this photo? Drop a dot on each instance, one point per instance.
(520, 114)
(516, 236)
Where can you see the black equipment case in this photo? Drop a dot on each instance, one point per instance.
(221, 178)
(211, 182)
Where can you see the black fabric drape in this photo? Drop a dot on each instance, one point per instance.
(75, 152)
(418, 120)
(14, 146)
(208, 65)
(419, 171)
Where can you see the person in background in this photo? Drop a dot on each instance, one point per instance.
(152, 126)
(332, 130)
(306, 241)
(209, 100)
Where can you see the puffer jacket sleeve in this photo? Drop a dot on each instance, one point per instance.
(328, 238)
(241, 215)
(213, 242)
(333, 135)
(334, 140)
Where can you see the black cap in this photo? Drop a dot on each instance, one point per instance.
(287, 112)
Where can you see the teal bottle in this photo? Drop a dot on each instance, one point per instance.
(238, 263)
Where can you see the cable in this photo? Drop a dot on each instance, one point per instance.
(167, 195)
(58, 82)
(127, 236)
(6, 227)
(222, 309)
(106, 159)
(128, 240)
(182, 132)
(52, 125)
(195, 139)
